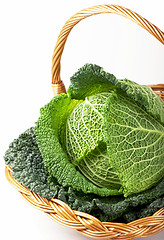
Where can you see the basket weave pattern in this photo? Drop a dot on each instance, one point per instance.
(86, 223)
(60, 211)
(152, 29)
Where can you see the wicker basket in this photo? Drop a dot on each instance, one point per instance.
(58, 210)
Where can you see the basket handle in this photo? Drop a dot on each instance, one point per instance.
(57, 84)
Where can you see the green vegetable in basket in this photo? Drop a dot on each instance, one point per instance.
(106, 136)
(27, 165)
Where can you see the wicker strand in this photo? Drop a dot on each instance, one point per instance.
(87, 224)
(152, 29)
(58, 88)
(159, 90)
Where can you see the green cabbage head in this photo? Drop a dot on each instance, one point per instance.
(105, 136)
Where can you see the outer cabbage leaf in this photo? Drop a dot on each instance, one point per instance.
(92, 79)
(49, 130)
(134, 144)
(144, 96)
(89, 80)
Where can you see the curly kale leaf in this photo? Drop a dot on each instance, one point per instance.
(145, 210)
(27, 164)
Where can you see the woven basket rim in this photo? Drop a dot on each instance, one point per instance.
(85, 223)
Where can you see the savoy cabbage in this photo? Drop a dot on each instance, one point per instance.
(105, 136)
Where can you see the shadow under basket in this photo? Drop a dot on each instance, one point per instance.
(60, 211)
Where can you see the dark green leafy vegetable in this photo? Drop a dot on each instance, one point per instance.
(89, 80)
(27, 164)
(145, 211)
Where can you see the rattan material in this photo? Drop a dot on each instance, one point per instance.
(86, 223)
(58, 210)
(58, 88)
(159, 90)
(152, 29)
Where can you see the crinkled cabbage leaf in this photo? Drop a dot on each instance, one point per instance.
(49, 131)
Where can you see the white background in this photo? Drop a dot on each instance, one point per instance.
(29, 30)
